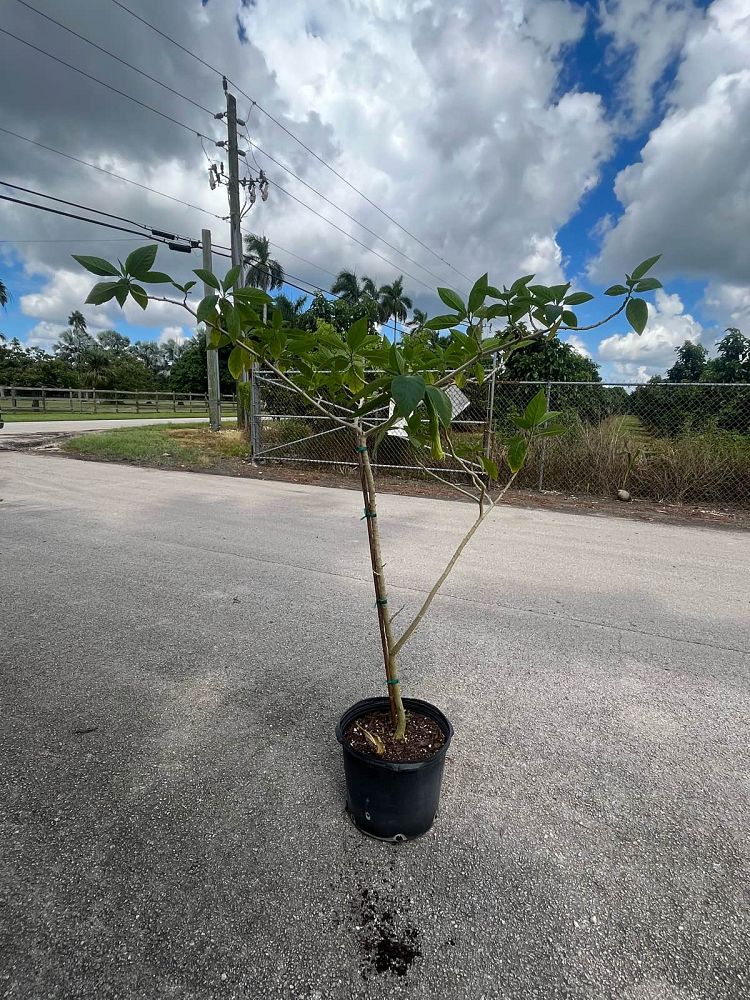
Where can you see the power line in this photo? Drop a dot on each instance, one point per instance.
(348, 235)
(292, 135)
(194, 244)
(112, 55)
(338, 208)
(109, 86)
(75, 204)
(145, 187)
(111, 173)
(80, 218)
(201, 136)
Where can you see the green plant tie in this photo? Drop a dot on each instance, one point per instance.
(368, 513)
(381, 601)
(394, 681)
(362, 448)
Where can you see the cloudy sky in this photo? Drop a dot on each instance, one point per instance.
(571, 139)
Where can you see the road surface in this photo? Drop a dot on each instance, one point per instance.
(23, 428)
(176, 650)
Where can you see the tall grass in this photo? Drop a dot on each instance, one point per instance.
(711, 467)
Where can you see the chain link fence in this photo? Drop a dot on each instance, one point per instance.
(679, 443)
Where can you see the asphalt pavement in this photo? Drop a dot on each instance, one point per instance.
(175, 652)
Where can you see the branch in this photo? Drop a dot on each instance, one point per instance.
(601, 322)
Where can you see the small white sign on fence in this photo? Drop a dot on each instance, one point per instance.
(459, 402)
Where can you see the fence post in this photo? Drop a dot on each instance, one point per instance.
(44, 400)
(544, 443)
(70, 397)
(255, 418)
(93, 395)
(489, 421)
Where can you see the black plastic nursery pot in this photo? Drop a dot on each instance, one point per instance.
(387, 799)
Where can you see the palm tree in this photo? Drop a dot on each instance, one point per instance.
(417, 322)
(95, 362)
(348, 288)
(291, 310)
(262, 270)
(3, 295)
(394, 303)
(77, 321)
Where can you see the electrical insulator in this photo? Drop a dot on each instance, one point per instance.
(251, 193)
(263, 184)
(211, 181)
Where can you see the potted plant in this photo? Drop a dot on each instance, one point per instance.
(394, 747)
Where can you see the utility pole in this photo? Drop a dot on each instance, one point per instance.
(212, 353)
(235, 217)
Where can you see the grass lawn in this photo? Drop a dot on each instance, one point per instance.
(14, 416)
(163, 445)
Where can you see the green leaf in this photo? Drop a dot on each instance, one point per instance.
(121, 292)
(236, 362)
(157, 278)
(232, 322)
(208, 278)
(643, 267)
(453, 300)
(637, 314)
(524, 423)
(397, 360)
(188, 285)
(442, 322)
(569, 318)
(206, 308)
(277, 319)
(139, 295)
(459, 380)
(552, 313)
(442, 404)
(479, 373)
(497, 310)
(255, 296)
(577, 298)
(616, 290)
(407, 392)
(516, 454)
(559, 292)
(519, 284)
(540, 292)
(536, 410)
(478, 293)
(138, 263)
(489, 467)
(648, 285)
(357, 333)
(550, 431)
(231, 277)
(214, 338)
(495, 293)
(103, 291)
(97, 265)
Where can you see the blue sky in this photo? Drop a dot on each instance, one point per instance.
(578, 141)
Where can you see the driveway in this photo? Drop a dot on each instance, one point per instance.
(175, 652)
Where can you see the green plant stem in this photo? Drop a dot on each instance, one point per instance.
(398, 715)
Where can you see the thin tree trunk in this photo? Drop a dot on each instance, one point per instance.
(398, 716)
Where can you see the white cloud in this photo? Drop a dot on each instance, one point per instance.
(173, 333)
(457, 120)
(45, 335)
(689, 196)
(577, 344)
(729, 305)
(628, 372)
(645, 36)
(669, 326)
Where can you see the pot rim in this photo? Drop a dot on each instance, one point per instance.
(360, 708)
